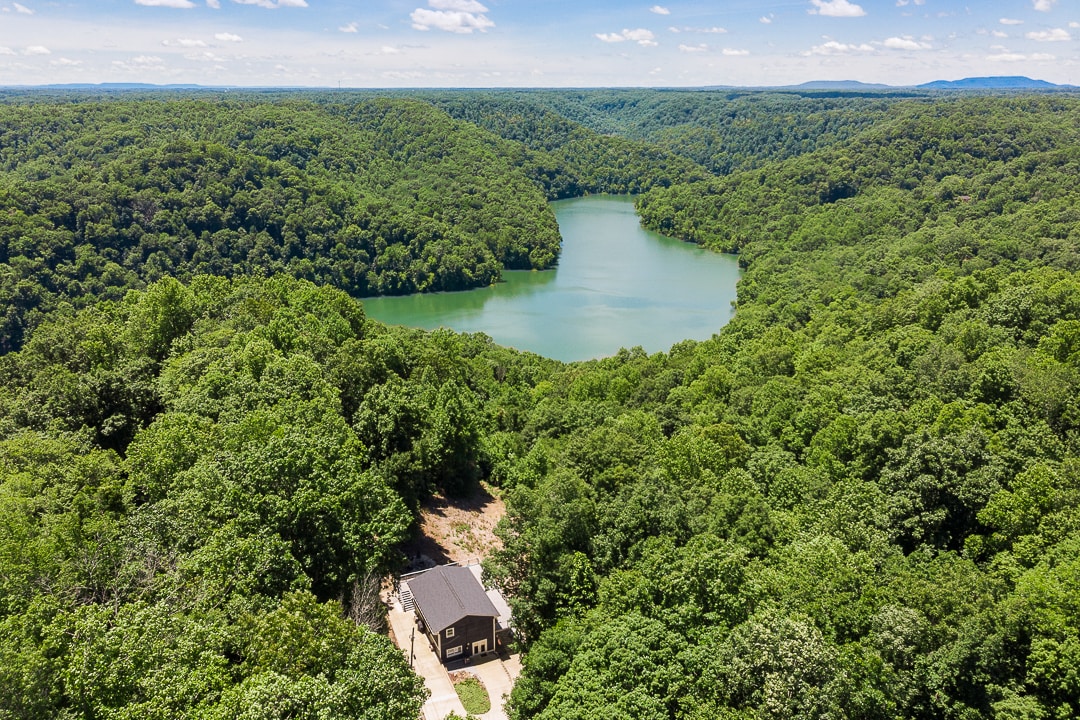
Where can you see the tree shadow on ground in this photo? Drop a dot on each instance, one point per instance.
(445, 528)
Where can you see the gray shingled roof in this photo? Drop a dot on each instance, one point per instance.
(447, 594)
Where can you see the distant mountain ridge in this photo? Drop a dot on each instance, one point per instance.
(993, 82)
(839, 85)
(1000, 82)
(996, 82)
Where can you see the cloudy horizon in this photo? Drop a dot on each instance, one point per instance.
(485, 43)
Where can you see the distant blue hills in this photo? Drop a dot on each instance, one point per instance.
(837, 85)
(1004, 82)
(996, 82)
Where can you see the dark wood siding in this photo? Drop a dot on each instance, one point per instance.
(467, 631)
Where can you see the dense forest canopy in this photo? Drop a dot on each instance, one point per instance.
(723, 130)
(860, 499)
(375, 197)
(202, 486)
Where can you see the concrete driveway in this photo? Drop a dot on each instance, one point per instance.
(496, 678)
(443, 699)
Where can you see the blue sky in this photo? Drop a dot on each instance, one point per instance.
(534, 43)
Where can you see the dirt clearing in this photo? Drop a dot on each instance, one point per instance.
(456, 529)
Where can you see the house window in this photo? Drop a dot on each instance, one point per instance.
(449, 632)
(453, 652)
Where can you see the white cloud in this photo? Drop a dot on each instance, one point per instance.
(1010, 21)
(389, 50)
(714, 30)
(184, 42)
(469, 6)
(6, 50)
(141, 63)
(767, 19)
(180, 4)
(37, 50)
(836, 8)
(832, 47)
(1007, 56)
(65, 62)
(999, 34)
(272, 4)
(349, 28)
(1043, 5)
(659, 10)
(1055, 35)
(1074, 24)
(693, 48)
(641, 36)
(732, 52)
(205, 56)
(228, 37)
(905, 43)
(445, 17)
(213, 4)
(22, 9)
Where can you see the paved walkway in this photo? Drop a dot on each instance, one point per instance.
(497, 679)
(444, 699)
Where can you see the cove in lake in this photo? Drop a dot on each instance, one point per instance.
(616, 285)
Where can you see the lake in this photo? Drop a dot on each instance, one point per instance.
(616, 285)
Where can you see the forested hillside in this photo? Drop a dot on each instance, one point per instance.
(567, 158)
(201, 487)
(375, 197)
(860, 499)
(723, 130)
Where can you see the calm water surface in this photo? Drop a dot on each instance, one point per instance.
(616, 285)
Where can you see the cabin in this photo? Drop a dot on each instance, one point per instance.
(454, 611)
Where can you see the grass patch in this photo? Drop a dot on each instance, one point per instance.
(474, 696)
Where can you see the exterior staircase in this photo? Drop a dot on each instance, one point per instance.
(406, 597)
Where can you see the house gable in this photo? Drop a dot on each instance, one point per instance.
(456, 613)
(445, 595)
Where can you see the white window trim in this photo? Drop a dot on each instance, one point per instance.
(449, 633)
(454, 651)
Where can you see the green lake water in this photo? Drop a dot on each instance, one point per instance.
(616, 285)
